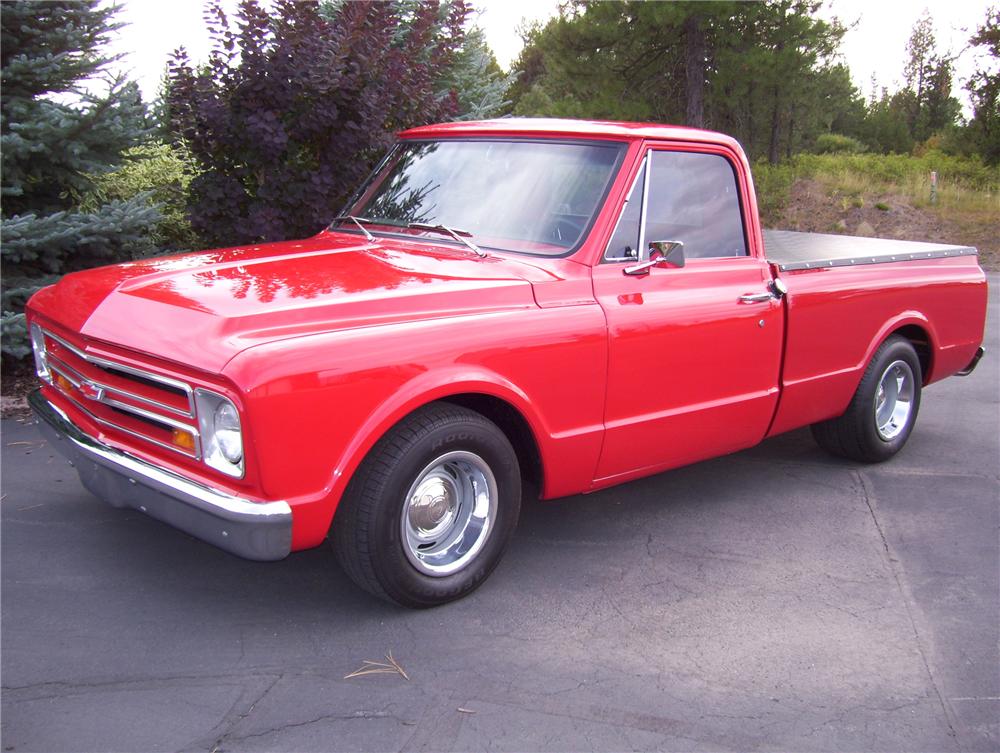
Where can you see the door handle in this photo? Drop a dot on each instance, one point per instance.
(756, 298)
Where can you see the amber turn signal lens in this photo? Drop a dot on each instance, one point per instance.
(63, 383)
(183, 439)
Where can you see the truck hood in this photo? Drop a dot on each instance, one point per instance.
(202, 309)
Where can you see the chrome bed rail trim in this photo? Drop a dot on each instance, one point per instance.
(862, 260)
(790, 250)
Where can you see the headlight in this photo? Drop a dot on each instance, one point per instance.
(41, 357)
(227, 432)
(221, 434)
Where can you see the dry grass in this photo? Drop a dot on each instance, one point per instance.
(389, 667)
(954, 200)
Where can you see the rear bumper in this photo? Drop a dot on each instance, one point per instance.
(973, 363)
(254, 530)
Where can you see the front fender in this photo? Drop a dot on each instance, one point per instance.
(318, 404)
(422, 390)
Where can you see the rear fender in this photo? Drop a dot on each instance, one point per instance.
(904, 319)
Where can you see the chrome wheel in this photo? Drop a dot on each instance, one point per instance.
(894, 400)
(448, 513)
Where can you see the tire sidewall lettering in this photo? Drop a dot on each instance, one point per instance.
(452, 439)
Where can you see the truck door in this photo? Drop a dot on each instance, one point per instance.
(694, 350)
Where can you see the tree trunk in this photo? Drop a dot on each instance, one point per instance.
(791, 132)
(773, 147)
(694, 36)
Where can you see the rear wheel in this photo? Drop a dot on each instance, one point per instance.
(884, 408)
(430, 511)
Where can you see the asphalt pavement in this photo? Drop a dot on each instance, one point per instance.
(776, 599)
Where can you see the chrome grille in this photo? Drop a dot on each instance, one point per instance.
(123, 397)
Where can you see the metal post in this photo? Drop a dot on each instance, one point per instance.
(934, 187)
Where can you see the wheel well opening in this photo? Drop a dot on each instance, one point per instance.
(511, 423)
(922, 344)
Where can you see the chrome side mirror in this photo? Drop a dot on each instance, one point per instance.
(661, 253)
(671, 253)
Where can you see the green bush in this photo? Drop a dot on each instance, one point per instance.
(161, 171)
(835, 143)
(888, 169)
(773, 184)
(143, 201)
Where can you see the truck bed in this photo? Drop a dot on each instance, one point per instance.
(789, 250)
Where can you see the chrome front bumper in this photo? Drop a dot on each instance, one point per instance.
(254, 530)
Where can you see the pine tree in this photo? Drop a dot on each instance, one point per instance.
(984, 87)
(761, 71)
(477, 80)
(930, 108)
(54, 135)
(920, 53)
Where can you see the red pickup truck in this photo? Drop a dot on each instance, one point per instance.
(572, 304)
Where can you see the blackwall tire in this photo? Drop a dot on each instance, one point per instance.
(883, 411)
(431, 509)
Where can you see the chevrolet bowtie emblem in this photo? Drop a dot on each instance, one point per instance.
(91, 391)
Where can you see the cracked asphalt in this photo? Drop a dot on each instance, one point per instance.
(776, 599)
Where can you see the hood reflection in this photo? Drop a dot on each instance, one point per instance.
(216, 283)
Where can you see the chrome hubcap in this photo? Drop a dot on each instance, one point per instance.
(449, 513)
(894, 400)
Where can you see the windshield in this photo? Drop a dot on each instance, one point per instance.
(523, 196)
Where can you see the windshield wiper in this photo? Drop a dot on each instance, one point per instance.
(357, 221)
(462, 236)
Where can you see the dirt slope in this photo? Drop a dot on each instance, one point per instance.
(810, 208)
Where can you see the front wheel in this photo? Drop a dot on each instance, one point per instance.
(430, 511)
(884, 408)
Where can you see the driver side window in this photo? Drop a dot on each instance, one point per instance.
(692, 198)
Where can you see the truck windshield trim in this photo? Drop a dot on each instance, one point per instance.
(530, 196)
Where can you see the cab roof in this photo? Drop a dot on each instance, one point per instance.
(568, 129)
